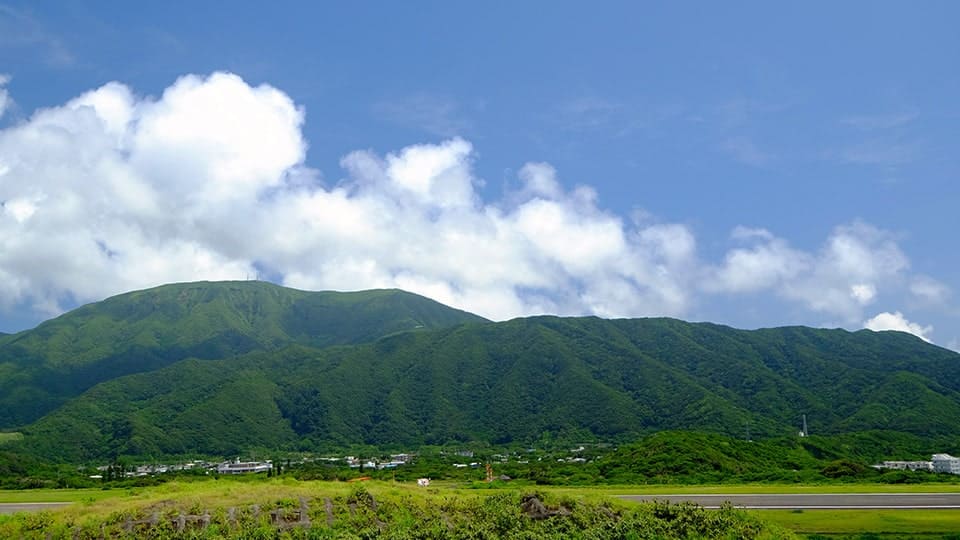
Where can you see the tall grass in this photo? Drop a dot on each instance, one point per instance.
(377, 510)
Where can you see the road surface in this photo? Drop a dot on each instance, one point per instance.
(13, 508)
(816, 501)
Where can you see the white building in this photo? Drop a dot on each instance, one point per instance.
(244, 467)
(907, 465)
(945, 463)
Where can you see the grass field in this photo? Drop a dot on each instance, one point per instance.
(238, 509)
(59, 495)
(888, 524)
(102, 504)
(937, 523)
(766, 488)
(81, 495)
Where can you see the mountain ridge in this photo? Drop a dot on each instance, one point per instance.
(144, 330)
(522, 381)
(252, 365)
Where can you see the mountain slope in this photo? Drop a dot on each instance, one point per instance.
(525, 380)
(42, 368)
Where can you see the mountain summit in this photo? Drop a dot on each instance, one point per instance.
(40, 369)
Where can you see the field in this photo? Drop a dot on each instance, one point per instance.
(889, 523)
(397, 509)
(231, 508)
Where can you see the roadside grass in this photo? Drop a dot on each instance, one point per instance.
(59, 495)
(229, 487)
(103, 506)
(400, 511)
(876, 522)
(758, 488)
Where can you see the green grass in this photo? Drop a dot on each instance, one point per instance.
(845, 522)
(94, 505)
(763, 488)
(10, 436)
(59, 495)
(400, 511)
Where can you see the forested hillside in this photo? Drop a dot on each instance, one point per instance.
(520, 381)
(42, 368)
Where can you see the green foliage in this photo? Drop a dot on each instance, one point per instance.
(402, 513)
(142, 331)
(278, 369)
(6, 437)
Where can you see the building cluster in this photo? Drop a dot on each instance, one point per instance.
(946, 463)
(237, 466)
(941, 463)
(155, 468)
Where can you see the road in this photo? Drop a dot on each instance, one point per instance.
(12, 508)
(816, 501)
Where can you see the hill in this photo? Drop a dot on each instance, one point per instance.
(42, 368)
(531, 380)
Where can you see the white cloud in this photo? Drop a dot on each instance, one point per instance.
(21, 33)
(436, 114)
(112, 191)
(928, 291)
(839, 279)
(749, 233)
(896, 321)
(744, 150)
(864, 293)
(4, 94)
(881, 151)
(880, 121)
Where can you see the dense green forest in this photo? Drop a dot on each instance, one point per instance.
(142, 331)
(241, 366)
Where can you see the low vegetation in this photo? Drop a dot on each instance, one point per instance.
(376, 510)
(10, 436)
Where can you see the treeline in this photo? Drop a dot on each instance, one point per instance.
(673, 457)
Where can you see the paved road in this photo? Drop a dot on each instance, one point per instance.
(13, 508)
(815, 501)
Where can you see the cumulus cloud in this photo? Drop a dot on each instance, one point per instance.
(839, 279)
(928, 291)
(112, 191)
(896, 321)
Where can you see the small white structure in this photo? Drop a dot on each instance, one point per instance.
(907, 465)
(423, 482)
(945, 463)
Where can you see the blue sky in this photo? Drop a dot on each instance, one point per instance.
(749, 164)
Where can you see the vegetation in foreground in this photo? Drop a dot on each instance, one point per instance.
(291, 509)
(868, 524)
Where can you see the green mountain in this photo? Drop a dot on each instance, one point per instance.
(42, 368)
(521, 381)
